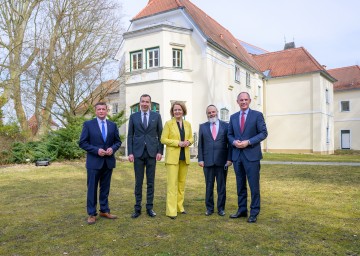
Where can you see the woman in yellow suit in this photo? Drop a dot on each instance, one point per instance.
(177, 136)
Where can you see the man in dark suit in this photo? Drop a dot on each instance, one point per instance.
(247, 129)
(100, 138)
(144, 149)
(214, 155)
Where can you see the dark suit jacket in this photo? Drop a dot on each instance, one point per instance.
(138, 136)
(214, 152)
(254, 130)
(91, 140)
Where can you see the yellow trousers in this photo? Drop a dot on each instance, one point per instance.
(176, 176)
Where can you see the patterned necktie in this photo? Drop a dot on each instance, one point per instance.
(145, 120)
(103, 131)
(242, 122)
(213, 131)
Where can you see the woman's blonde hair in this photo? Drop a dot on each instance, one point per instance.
(181, 104)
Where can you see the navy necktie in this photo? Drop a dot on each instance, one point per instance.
(103, 132)
(145, 120)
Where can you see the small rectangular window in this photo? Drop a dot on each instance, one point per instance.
(153, 59)
(136, 59)
(237, 73)
(345, 106)
(177, 58)
(247, 79)
(224, 114)
(115, 108)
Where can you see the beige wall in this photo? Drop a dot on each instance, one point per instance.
(347, 120)
(297, 115)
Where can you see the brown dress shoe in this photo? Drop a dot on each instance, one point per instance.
(91, 220)
(107, 215)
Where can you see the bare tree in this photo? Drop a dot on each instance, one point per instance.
(17, 57)
(74, 42)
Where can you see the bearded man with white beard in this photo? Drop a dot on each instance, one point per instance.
(214, 155)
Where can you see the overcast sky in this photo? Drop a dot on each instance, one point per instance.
(328, 29)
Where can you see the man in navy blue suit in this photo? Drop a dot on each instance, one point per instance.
(144, 149)
(100, 138)
(247, 129)
(214, 155)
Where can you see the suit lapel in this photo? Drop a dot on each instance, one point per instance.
(236, 126)
(208, 130)
(98, 129)
(176, 128)
(247, 119)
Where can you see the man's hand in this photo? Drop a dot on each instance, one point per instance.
(241, 144)
(131, 158)
(158, 156)
(109, 151)
(201, 163)
(228, 163)
(101, 152)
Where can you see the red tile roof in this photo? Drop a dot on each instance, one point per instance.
(216, 34)
(33, 123)
(99, 94)
(288, 62)
(348, 78)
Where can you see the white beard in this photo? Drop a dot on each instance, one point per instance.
(213, 119)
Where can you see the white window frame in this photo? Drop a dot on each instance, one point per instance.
(248, 79)
(115, 108)
(138, 55)
(177, 58)
(342, 108)
(153, 57)
(237, 73)
(224, 115)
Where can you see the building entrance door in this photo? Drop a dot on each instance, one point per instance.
(345, 139)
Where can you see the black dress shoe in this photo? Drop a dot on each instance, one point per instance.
(221, 213)
(238, 215)
(172, 217)
(208, 213)
(151, 213)
(251, 219)
(183, 212)
(135, 214)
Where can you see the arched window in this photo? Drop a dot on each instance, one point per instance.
(136, 107)
(224, 114)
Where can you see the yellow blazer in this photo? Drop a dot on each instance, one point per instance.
(171, 137)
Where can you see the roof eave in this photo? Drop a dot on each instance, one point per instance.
(157, 13)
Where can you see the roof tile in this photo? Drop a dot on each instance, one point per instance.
(288, 62)
(348, 77)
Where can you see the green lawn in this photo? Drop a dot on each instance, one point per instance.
(306, 210)
(339, 156)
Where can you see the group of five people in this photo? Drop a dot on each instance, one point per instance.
(220, 145)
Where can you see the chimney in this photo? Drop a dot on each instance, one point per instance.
(290, 45)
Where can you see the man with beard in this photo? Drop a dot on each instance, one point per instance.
(214, 155)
